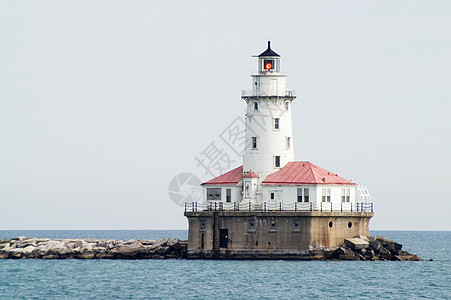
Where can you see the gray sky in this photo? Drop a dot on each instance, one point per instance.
(102, 103)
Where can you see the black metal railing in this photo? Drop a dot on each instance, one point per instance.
(280, 206)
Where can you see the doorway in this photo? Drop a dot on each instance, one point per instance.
(223, 238)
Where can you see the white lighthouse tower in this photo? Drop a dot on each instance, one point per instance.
(269, 134)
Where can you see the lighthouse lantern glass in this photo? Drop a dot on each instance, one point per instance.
(268, 64)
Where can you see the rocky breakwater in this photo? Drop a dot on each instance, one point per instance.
(369, 248)
(22, 247)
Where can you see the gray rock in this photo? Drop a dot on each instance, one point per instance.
(5, 245)
(79, 244)
(384, 253)
(102, 243)
(356, 244)
(407, 257)
(345, 251)
(87, 247)
(353, 256)
(375, 245)
(362, 237)
(29, 249)
(99, 249)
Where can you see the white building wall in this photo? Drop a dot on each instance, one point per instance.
(289, 197)
(235, 192)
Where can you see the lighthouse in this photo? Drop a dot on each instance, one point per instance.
(269, 133)
(271, 202)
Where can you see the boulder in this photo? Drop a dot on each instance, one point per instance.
(345, 251)
(356, 244)
(385, 254)
(348, 257)
(99, 249)
(375, 245)
(4, 245)
(87, 248)
(102, 243)
(407, 257)
(85, 255)
(385, 242)
(362, 237)
(367, 253)
(79, 243)
(29, 249)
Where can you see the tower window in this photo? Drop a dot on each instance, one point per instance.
(255, 105)
(277, 161)
(276, 123)
(287, 105)
(254, 142)
(288, 142)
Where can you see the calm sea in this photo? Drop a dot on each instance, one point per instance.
(143, 279)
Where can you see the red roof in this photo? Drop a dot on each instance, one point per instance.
(303, 172)
(250, 175)
(229, 178)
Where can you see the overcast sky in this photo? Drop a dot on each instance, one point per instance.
(103, 103)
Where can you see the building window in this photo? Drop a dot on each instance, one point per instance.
(296, 225)
(303, 195)
(254, 142)
(228, 195)
(277, 161)
(288, 142)
(251, 224)
(203, 224)
(326, 195)
(272, 225)
(276, 123)
(214, 194)
(345, 195)
(306, 195)
(287, 105)
(255, 105)
(271, 196)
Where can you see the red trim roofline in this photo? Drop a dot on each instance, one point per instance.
(304, 172)
(230, 178)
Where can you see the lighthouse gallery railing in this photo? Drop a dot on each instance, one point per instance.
(297, 206)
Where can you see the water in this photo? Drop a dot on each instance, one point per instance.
(138, 279)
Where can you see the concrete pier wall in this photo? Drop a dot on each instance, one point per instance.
(266, 232)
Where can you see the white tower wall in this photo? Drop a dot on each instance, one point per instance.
(269, 134)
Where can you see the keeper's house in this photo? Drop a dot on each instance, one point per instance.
(273, 206)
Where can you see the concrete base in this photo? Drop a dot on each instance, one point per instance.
(270, 234)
